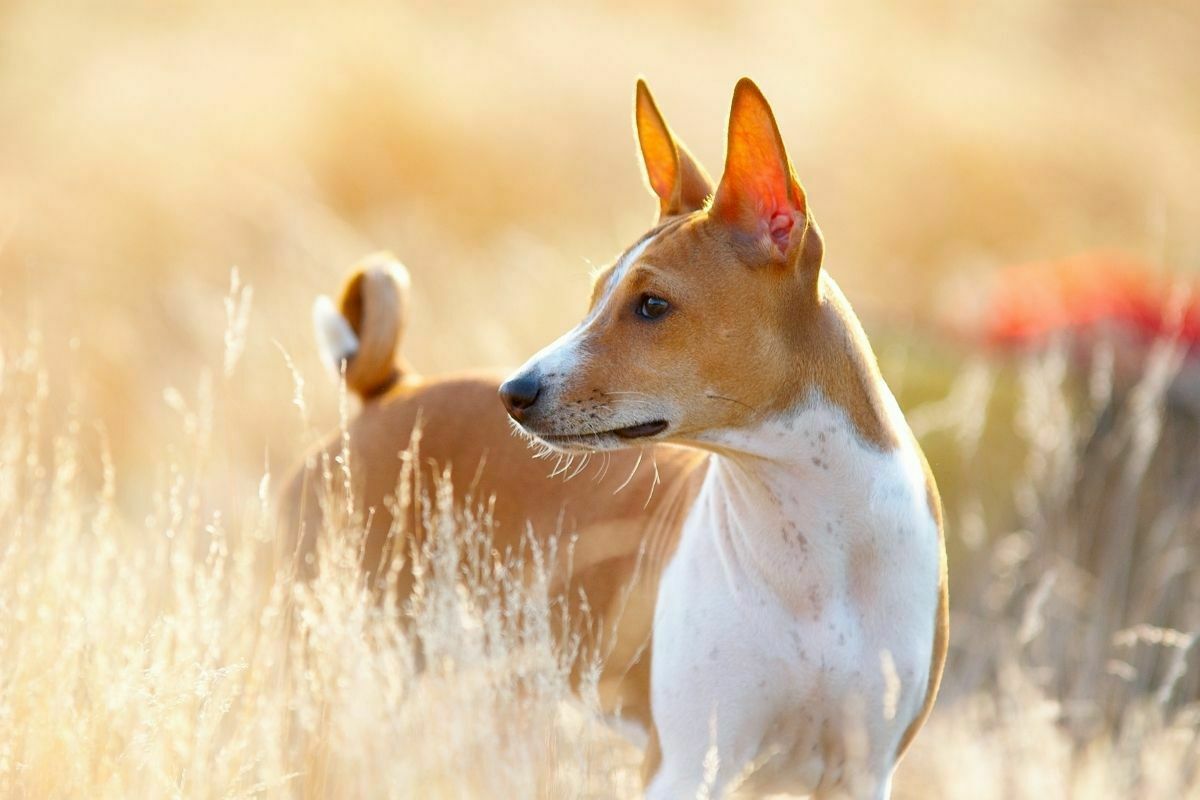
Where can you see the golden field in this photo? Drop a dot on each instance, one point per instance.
(148, 411)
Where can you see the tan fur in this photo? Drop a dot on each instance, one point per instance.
(376, 308)
(464, 428)
(672, 173)
(732, 301)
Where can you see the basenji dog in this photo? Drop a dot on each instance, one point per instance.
(774, 614)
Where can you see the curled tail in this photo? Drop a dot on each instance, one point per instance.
(363, 330)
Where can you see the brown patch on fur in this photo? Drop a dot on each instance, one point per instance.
(745, 336)
(863, 567)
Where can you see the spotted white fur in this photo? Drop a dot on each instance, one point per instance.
(796, 614)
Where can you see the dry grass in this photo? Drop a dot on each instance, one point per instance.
(152, 659)
(1073, 670)
(147, 149)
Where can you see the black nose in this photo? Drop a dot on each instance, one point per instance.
(520, 393)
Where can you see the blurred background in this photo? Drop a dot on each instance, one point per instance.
(1008, 192)
(148, 148)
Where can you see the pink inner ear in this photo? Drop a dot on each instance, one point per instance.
(781, 229)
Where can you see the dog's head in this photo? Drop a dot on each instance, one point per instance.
(696, 326)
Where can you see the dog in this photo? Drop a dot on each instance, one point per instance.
(771, 599)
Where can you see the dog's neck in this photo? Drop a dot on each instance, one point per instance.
(792, 506)
(840, 409)
(812, 452)
(804, 484)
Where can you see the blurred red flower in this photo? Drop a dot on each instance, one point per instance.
(1034, 301)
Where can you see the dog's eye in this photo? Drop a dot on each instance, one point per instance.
(651, 307)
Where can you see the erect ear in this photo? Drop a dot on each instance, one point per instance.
(680, 182)
(759, 193)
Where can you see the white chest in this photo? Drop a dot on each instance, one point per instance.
(797, 614)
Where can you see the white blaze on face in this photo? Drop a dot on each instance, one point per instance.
(556, 361)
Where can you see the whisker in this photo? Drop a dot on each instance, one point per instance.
(603, 472)
(655, 482)
(560, 468)
(632, 472)
(729, 400)
(582, 463)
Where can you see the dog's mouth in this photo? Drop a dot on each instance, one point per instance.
(645, 429)
(642, 430)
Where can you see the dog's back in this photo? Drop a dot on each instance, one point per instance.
(621, 511)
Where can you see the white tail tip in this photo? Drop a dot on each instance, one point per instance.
(336, 340)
